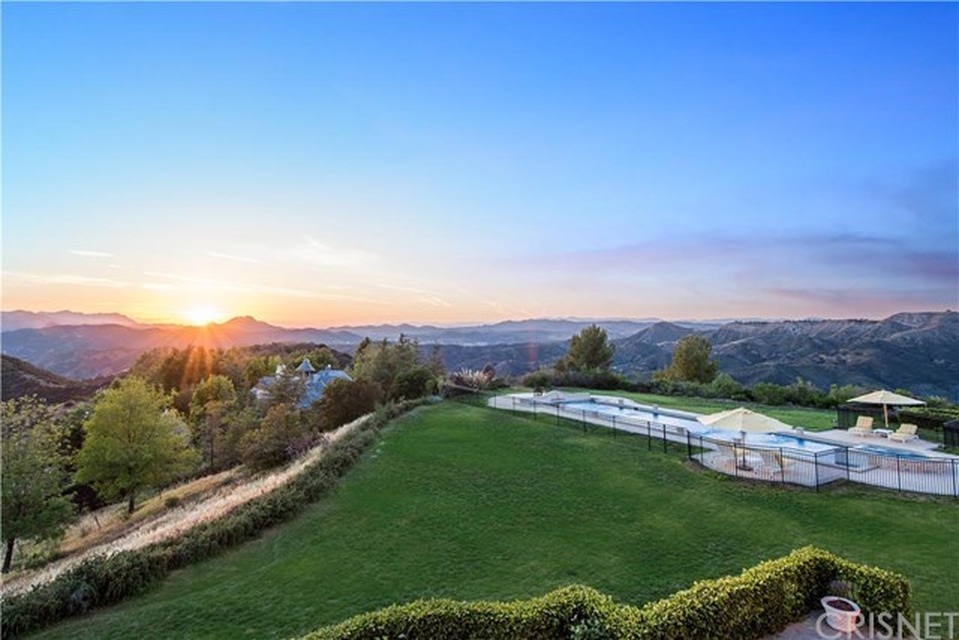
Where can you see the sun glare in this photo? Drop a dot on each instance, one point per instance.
(202, 315)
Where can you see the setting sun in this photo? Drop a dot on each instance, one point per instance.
(202, 315)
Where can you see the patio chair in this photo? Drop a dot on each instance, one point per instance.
(772, 461)
(904, 433)
(863, 426)
(727, 456)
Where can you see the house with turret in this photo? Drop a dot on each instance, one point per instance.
(315, 382)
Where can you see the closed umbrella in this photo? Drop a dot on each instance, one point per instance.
(887, 399)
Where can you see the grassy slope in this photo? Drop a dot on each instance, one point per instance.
(470, 503)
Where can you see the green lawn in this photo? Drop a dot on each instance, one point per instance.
(472, 503)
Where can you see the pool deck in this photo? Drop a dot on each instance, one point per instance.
(843, 437)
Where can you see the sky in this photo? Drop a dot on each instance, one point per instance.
(326, 164)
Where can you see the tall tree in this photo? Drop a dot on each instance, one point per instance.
(691, 361)
(33, 476)
(589, 350)
(133, 441)
(212, 401)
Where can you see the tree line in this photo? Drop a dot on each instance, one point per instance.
(182, 413)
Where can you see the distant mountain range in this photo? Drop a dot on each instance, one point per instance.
(21, 378)
(916, 351)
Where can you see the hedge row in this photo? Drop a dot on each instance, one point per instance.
(928, 417)
(762, 600)
(103, 581)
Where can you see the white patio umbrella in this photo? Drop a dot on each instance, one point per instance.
(887, 399)
(742, 419)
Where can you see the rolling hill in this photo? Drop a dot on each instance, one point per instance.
(20, 378)
(916, 351)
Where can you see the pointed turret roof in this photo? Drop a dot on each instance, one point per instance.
(306, 367)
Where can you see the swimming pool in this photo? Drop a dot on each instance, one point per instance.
(611, 409)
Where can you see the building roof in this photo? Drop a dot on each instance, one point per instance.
(316, 384)
(306, 366)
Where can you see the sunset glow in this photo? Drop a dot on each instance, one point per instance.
(301, 162)
(203, 315)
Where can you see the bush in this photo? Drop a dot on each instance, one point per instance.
(344, 401)
(769, 393)
(928, 417)
(758, 602)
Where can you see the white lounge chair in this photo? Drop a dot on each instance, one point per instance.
(772, 461)
(863, 426)
(904, 433)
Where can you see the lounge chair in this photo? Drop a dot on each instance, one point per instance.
(863, 426)
(904, 433)
(772, 461)
(726, 456)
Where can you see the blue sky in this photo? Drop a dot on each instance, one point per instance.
(325, 163)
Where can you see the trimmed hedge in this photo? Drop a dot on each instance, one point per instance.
(928, 417)
(103, 581)
(762, 600)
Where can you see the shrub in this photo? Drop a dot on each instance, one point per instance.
(928, 417)
(769, 393)
(758, 602)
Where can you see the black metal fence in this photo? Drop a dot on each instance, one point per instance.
(786, 465)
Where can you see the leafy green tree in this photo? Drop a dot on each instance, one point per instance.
(725, 386)
(213, 399)
(279, 437)
(769, 393)
(415, 383)
(133, 441)
(344, 401)
(691, 361)
(33, 476)
(590, 350)
(381, 362)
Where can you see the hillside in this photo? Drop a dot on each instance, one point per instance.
(916, 351)
(20, 378)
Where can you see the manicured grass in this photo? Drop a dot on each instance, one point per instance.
(473, 503)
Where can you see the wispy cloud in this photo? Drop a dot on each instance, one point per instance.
(61, 278)
(434, 301)
(234, 258)
(320, 254)
(91, 254)
(193, 283)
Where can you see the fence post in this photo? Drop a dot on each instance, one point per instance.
(954, 491)
(664, 438)
(848, 466)
(782, 466)
(689, 447)
(815, 461)
(899, 473)
(649, 435)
